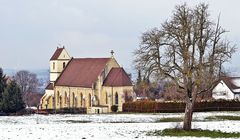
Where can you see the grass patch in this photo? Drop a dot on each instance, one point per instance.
(233, 118)
(173, 119)
(193, 133)
(124, 122)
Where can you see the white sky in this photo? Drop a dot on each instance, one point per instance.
(30, 30)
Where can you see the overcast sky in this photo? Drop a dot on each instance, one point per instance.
(30, 30)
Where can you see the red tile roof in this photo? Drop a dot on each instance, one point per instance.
(117, 77)
(57, 54)
(82, 72)
(49, 86)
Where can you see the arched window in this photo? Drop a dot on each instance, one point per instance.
(89, 100)
(116, 98)
(81, 100)
(73, 100)
(65, 98)
(53, 65)
(60, 98)
(106, 96)
(64, 64)
(68, 99)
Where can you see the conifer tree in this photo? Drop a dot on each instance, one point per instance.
(139, 78)
(12, 99)
(2, 83)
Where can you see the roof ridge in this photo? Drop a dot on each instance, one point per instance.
(93, 58)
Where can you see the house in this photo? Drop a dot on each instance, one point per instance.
(227, 88)
(95, 84)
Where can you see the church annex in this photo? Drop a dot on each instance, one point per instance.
(95, 84)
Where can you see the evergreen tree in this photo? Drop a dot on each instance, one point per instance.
(12, 99)
(3, 83)
(139, 78)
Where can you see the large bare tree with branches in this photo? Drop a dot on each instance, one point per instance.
(187, 49)
(28, 84)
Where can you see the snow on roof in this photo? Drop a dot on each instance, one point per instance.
(236, 82)
(233, 83)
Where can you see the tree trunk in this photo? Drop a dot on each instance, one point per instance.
(187, 124)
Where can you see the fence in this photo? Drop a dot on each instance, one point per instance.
(171, 107)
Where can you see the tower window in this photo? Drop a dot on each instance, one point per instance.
(64, 64)
(53, 65)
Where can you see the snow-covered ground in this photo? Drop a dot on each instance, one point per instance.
(103, 126)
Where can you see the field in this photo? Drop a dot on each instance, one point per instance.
(109, 126)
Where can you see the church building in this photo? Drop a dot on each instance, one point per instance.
(95, 84)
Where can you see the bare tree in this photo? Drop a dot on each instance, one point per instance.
(187, 49)
(28, 83)
(171, 93)
(127, 96)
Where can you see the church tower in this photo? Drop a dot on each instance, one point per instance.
(58, 62)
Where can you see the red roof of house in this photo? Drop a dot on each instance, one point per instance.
(49, 86)
(57, 54)
(82, 72)
(229, 82)
(117, 77)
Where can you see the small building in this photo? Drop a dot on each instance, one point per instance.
(228, 88)
(95, 84)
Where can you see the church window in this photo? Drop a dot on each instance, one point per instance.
(116, 98)
(64, 64)
(73, 99)
(53, 65)
(106, 98)
(89, 99)
(60, 98)
(81, 100)
(68, 100)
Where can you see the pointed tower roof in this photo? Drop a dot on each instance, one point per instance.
(57, 53)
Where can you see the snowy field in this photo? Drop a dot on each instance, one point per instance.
(103, 126)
